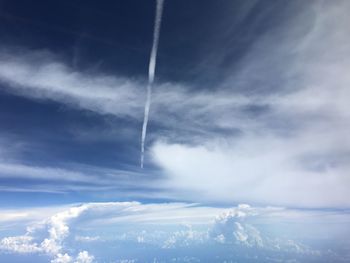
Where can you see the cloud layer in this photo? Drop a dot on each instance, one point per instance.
(165, 229)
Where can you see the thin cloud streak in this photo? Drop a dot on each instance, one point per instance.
(151, 72)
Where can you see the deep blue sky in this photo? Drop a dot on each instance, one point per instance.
(234, 79)
(114, 37)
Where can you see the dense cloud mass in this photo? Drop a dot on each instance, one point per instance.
(157, 228)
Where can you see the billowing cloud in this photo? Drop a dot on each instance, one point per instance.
(163, 227)
(292, 147)
(20, 244)
(84, 257)
(58, 230)
(62, 258)
(252, 170)
(58, 225)
(231, 228)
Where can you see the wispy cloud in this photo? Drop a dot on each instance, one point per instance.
(76, 178)
(274, 131)
(293, 149)
(40, 75)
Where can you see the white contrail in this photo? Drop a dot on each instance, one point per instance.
(151, 70)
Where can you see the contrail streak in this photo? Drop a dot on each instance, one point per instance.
(151, 70)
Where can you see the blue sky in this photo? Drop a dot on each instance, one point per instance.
(249, 106)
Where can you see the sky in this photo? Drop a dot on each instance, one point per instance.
(247, 150)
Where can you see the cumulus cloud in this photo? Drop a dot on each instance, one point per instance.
(20, 244)
(185, 238)
(84, 257)
(233, 227)
(163, 226)
(62, 258)
(229, 227)
(57, 226)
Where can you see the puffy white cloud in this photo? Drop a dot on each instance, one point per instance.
(19, 244)
(50, 246)
(254, 170)
(229, 227)
(98, 214)
(162, 226)
(185, 238)
(58, 223)
(58, 230)
(232, 227)
(248, 235)
(84, 257)
(62, 258)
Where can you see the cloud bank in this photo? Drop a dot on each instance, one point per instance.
(162, 228)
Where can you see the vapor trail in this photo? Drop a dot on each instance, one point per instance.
(151, 70)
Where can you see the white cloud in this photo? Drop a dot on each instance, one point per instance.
(84, 257)
(11, 216)
(76, 178)
(295, 151)
(255, 170)
(19, 244)
(229, 227)
(94, 215)
(34, 172)
(163, 225)
(232, 227)
(58, 230)
(58, 224)
(62, 258)
(289, 153)
(87, 238)
(185, 238)
(40, 75)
